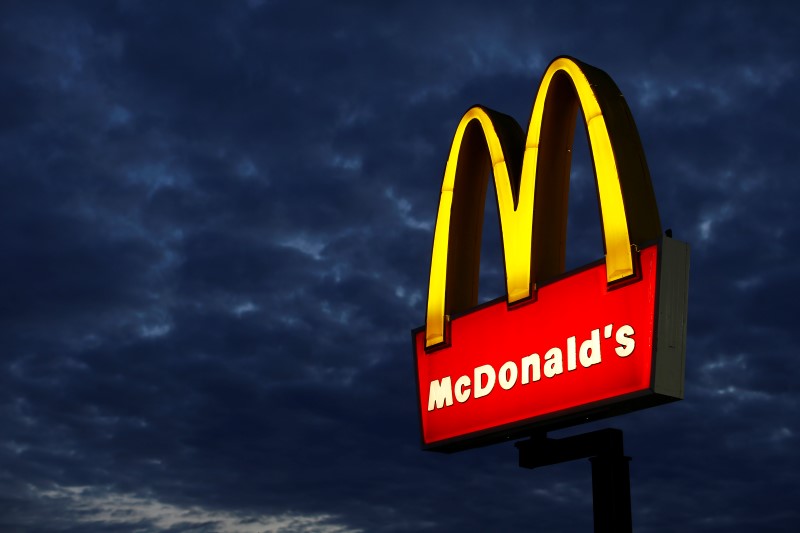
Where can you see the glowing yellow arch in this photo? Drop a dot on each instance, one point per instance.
(492, 140)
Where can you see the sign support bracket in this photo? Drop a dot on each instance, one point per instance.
(611, 486)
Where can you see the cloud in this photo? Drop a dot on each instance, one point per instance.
(97, 508)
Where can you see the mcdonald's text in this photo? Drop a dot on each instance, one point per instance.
(530, 368)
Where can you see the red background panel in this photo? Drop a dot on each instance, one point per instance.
(495, 334)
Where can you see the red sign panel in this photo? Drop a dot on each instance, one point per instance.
(581, 349)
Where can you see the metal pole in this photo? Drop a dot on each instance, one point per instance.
(611, 494)
(611, 485)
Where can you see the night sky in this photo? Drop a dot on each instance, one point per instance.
(216, 226)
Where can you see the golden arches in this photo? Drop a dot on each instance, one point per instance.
(534, 239)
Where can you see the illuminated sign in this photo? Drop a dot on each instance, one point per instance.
(558, 349)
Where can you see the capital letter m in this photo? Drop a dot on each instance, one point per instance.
(441, 394)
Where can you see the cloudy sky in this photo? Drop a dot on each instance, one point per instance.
(216, 222)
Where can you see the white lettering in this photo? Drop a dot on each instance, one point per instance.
(441, 394)
(481, 390)
(571, 354)
(590, 350)
(508, 375)
(553, 362)
(462, 389)
(626, 344)
(530, 368)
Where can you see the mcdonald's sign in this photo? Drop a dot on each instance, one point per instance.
(559, 348)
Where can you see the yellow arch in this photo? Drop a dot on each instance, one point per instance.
(619, 263)
(515, 224)
(600, 100)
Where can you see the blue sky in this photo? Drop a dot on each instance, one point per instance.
(216, 222)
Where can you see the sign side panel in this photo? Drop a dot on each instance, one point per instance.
(673, 304)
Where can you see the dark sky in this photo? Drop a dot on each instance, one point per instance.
(216, 224)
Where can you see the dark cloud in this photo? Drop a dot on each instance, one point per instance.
(216, 222)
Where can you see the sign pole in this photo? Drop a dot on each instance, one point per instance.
(611, 486)
(611, 494)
